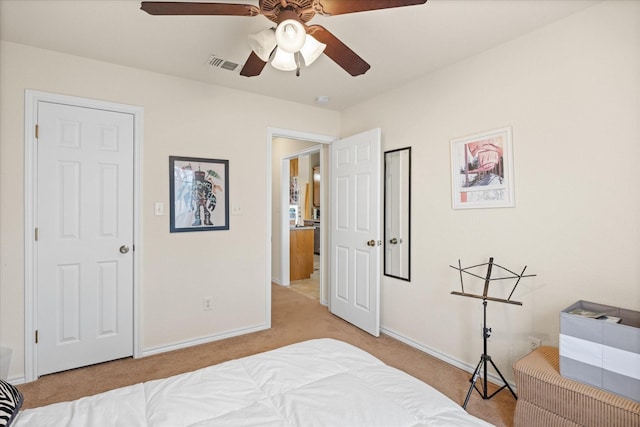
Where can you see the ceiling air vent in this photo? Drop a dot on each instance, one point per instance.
(217, 62)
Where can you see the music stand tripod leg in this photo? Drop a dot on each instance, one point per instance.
(506, 384)
(473, 380)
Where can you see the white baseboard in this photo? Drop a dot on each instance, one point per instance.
(202, 340)
(393, 334)
(17, 380)
(442, 356)
(178, 346)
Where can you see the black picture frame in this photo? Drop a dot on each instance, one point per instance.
(199, 194)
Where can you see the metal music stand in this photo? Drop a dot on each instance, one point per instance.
(486, 332)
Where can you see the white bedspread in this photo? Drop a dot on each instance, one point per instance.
(320, 382)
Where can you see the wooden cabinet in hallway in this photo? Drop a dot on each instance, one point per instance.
(301, 253)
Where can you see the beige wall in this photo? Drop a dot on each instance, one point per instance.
(571, 93)
(181, 117)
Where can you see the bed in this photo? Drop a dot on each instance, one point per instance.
(322, 382)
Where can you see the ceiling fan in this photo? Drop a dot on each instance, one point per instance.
(291, 39)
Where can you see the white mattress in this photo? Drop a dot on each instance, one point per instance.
(320, 382)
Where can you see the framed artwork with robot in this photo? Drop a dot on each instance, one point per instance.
(199, 194)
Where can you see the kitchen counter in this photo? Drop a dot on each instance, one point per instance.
(301, 227)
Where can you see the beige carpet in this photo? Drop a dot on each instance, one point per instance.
(295, 318)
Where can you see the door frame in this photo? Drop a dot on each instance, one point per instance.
(32, 98)
(272, 133)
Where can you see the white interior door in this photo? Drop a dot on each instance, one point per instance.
(355, 230)
(85, 236)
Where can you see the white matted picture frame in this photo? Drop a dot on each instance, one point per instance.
(482, 170)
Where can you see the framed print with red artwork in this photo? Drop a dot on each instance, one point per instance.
(482, 170)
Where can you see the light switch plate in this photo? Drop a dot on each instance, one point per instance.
(159, 208)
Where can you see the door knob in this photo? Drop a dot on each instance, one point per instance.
(371, 243)
(124, 249)
(393, 241)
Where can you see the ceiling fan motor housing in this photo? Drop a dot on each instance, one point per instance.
(302, 10)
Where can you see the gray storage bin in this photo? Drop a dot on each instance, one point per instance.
(601, 352)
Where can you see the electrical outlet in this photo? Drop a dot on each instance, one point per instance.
(207, 303)
(534, 343)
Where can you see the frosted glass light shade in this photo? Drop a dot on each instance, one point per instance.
(311, 50)
(263, 43)
(284, 61)
(290, 35)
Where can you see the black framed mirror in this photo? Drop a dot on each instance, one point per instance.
(397, 213)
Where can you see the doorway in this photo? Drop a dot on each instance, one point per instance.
(357, 295)
(300, 143)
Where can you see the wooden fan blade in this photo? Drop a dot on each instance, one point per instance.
(339, 7)
(187, 8)
(253, 67)
(338, 51)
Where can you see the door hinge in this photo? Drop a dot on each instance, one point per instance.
(37, 131)
(35, 233)
(36, 336)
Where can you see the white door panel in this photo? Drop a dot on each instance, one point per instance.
(85, 215)
(355, 221)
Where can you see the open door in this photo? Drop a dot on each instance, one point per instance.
(355, 182)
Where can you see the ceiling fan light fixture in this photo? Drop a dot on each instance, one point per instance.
(311, 50)
(263, 43)
(290, 35)
(284, 61)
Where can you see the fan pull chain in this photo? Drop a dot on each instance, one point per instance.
(297, 56)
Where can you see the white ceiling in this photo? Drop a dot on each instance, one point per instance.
(401, 44)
